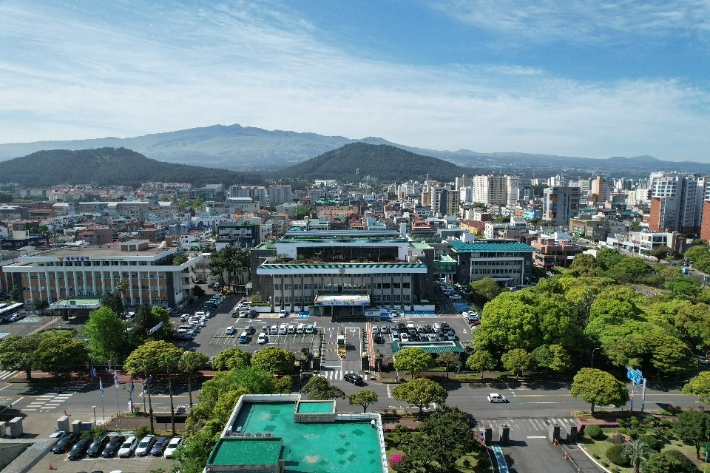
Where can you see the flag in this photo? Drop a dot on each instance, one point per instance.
(101, 387)
(92, 372)
(150, 379)
(115, 377)
(130, 394)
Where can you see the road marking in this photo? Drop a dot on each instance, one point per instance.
(17, 401)
(389, 392)
(538, 402)
(536, 437)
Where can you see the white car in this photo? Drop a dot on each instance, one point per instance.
(172, 446)
(145, 445)
(263, 339)
(230, 331)
(495, 397)
(404, 338)
(128, 447)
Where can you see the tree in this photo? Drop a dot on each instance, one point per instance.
(598, 387)
(412, 361)
(663, 252)
(190, 363)
(254, 380)
(106, 334)
(363, 398)
(450, 360)
(636, 453)
(552, 357)
(583, 265)
(18, 353)
(59, 355)
(682, 286)
(155, 357)
(113, 301)
(607, 258)
(452, 432)
(14, 293)
(669, 461)
(517, 360)
(699, 387)
(318, 388)
(693, 427)
(486, 289)
(231, 358)
(40, 305)
(274, 359)
(420, 392)
(481, 361)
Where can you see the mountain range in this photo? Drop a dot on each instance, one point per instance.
(248, 148)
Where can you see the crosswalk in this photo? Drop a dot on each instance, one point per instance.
(7, 375)
(538, 425)
(336, 375)
(49, 401)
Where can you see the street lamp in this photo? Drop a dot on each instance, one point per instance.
(597, 348)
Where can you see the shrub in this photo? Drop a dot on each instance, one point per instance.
(605, 463)
(633, 433)
(635, 423)
(142, 431)
(617, 439)
(395, 459)
(652, 442)
(650, 420)
(621, 421)
(594, 431)
(615, 454)
(666, 423)
(596, 456)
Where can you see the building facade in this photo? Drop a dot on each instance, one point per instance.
(510, 263)
(561, 204)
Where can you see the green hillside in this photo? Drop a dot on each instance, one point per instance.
(109, 166)
(386, 163)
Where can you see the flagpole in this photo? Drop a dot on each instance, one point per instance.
(143, 396)
(118, 394)
(103, 411)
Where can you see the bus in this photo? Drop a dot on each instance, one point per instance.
(6, 310)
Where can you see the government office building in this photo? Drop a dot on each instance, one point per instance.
(70, 274)
(345, 269)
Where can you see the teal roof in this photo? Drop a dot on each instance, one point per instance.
(429, 347)
(461, 247)
(345, 265)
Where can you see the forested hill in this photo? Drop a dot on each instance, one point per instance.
(109, 166)
(386, 163)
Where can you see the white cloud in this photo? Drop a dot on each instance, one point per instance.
(583, 21)
(71, 73)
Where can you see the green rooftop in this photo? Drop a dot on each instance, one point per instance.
(341, 446)
(319, 407)
(429, 347)
(246, 451)
(461, 247)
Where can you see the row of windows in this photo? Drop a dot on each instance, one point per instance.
(80, 276)
(81, 288)
(345, 287)
(496, 271)
(97, 263)
(376, 298)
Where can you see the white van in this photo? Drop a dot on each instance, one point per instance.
(274, 330)
(282, 329)
(301, 328)
(291, 328)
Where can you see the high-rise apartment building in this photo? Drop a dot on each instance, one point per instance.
(255, 192)
(561, 204)
(705, 220)
(494, 190)
(280, 194)
(677, 202)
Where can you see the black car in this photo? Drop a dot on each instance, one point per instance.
(378, 339)
(356, 379)
(445, 326)
(79, 450)
(402, 326)
(428, 329)
(98, 446)
(65, 443)
(159, 446)
(113, 446)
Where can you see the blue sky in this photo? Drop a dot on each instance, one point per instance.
(582, 78)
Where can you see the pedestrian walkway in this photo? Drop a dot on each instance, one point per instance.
(337, 374)
(532, 427)
(50, 401)
(7, 375)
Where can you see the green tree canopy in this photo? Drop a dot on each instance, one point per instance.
(231, 358)
(486, 289)
(517, 360)
(693, 427)
(420, 392)
(318, 388)
(699, 387)
(669, 461)
(363, 398)
(449, 359)
(412, 361)
(191, 362)
(274, 359)
(607, 258)
(106, 334)
(481, 360)
(598, 387)
(552, 357)
(18, 353)
(60, 355)
(113, 301)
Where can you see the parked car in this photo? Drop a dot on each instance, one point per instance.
(230, 331)
(79, 449)
(112, 448)
(703, 360)
(495, 397)
(353, 378)
(263, 339)
(65, 442)
(375, 329)
(145, 445)
(244, 338)
(98, 446)
(310, 329)
(128, 447)
(172, 446)
(159, 446)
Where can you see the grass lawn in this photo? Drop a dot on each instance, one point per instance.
(470, 459)
(62, 332)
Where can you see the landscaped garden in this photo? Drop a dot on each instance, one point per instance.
(648, 444)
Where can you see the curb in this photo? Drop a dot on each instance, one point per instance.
(584, 450)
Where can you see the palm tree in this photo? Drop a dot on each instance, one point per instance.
(637, 452)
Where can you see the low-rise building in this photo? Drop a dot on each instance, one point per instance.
(552, 252)
(508, 262)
